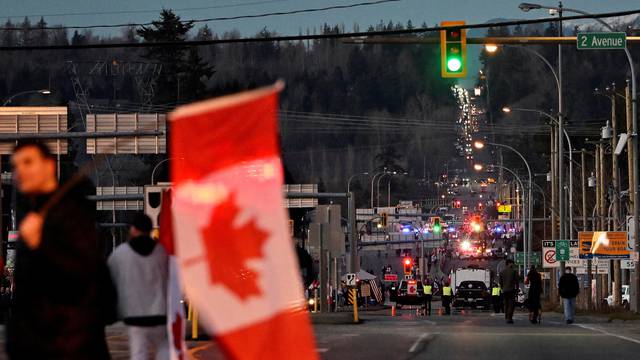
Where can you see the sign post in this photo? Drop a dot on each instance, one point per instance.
(562, 250)
(601, 40)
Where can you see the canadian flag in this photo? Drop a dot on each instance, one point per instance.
(175, 310)
(237, 260)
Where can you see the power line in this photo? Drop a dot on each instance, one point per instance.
(276, 13)
(144, 11)
(290, 37)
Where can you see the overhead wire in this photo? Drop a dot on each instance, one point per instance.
(213, 19)
(283, 38)
(146, 11)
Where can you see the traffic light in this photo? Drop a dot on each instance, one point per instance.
(407, 265)
(436, 227)
(383, 220)
(453, 50)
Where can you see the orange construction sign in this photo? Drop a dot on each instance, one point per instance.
(604, 244)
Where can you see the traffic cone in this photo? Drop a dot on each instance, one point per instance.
(393, 310)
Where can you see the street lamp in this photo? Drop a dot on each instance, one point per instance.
(373, 178)
(378, 184)
(491, 48)
(479, 145)
(351, 178)
(513, 173)
(528, 6)
(389, 188)
(635, 289)
(40, 91)
(507, 109)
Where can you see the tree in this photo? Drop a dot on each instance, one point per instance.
(175, 59)
(196, 73)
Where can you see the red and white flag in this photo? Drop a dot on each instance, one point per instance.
(175, 310)
(236, 256)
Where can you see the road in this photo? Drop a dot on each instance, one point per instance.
(472, 335)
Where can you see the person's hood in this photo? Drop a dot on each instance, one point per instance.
(143, 245)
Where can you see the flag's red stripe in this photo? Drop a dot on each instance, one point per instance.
(209, 141)
(287, 335)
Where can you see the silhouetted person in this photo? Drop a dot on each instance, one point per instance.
(509, 286)
(535, 290)
(569, 288)
(62, 284)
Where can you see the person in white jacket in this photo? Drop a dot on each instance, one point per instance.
(139, 269)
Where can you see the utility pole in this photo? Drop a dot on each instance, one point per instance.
(615, 182)
(583, 180)
(596, 221)
(602, 209)
(560, 135)
(554, 207)
(632, 187)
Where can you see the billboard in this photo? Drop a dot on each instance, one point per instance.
(604, 245)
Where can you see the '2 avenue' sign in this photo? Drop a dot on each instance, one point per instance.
(601, 40)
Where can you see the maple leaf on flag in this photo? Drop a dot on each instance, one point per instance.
(228, 247)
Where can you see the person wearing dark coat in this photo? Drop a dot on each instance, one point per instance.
(568, 287)
(63, 293)
(534, 280)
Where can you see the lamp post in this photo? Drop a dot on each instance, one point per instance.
(480, 145)
(40, 91)
(351, 178)
(373, 178)
(558, 138)
(635, 305)
(378, 185)
(524, 245)
(555, 121)
(389, 188)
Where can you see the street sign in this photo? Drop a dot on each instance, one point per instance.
(351, 279)
(562, 250)
(391, 277)
(627, 264)
(535, 258)
(601, 40)
(504, 209)
(549, 254)
(604, 244)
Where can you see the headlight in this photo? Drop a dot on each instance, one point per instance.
(311, 302)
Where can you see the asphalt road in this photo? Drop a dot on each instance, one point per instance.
(475, 335)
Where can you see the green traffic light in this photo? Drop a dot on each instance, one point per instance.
(454, 64)
(436, 229)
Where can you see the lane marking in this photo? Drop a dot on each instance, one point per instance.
(323, 350)
(415, 345)
(608, 333)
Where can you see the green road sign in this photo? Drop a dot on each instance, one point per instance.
(535, 258)
(601, 40)
(562, 250)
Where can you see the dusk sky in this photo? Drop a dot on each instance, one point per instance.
(88, 12)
